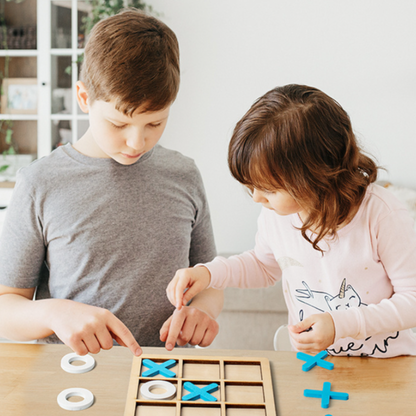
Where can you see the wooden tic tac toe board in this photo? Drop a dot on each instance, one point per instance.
(245, 387)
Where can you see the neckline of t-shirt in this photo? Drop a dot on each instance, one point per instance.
(298, 221)
(69, 150)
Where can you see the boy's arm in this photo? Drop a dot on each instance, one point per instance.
(194, 324)
(83, 328)
(20, 320)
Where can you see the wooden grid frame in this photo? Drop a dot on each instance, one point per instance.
(245, 387)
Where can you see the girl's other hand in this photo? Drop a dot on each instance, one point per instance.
(313, 334)
(193, 280)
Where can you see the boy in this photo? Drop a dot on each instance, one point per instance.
(97, 229)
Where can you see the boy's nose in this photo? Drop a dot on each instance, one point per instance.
(136, 141)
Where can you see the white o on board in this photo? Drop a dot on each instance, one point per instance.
(146, 390)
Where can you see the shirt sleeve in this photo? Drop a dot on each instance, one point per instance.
(251, 269)
(22, 249)
(394, 239)
(202, 237)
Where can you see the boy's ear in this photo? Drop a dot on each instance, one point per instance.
(82, 96)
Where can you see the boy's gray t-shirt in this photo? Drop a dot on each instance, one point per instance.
(111, 235)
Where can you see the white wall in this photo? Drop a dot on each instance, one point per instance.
(361, 52)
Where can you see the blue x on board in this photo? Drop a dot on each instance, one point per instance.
(155, 369)
(200, 393)
(312, 361)
(326, 394)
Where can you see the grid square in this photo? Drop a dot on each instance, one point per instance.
(155, 390)
(216, 394)
(201, 371)
(200, 411)
(237, 393)
(244, 411)
(149, 410)
(175, 369)
(249, 372)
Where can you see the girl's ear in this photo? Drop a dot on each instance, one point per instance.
(82, 96)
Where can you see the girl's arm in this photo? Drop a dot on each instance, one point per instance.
(251, 269)
(394, 245)
(245, 270)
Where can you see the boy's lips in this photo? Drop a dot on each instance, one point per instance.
(132, 156)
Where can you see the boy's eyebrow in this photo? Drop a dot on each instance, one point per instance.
(114, 120)
(126, 121)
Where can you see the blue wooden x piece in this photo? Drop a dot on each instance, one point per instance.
(155, 369)
(200, 393)
(326, 394)
(312, 361)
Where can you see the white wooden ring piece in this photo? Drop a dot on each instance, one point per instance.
(78, 392)
(77, 369)
(162, 384)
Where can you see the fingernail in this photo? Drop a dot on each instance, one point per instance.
(138, 352)
(169, 347)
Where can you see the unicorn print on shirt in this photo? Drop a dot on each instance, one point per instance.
(346, 298)
(325, 302)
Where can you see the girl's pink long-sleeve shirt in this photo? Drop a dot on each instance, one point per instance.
(366, 279)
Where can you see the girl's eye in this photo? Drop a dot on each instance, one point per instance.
(155, 125)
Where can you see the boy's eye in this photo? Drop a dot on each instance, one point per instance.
(118, 127)
(155, 125)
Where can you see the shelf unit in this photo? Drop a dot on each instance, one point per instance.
(59, 31)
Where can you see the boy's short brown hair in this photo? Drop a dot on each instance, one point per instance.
(132, 59)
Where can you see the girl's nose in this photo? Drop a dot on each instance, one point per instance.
(258, 196)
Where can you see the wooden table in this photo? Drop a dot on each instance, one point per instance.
(31, 379)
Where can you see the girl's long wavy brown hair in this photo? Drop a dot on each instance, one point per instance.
(299, 139)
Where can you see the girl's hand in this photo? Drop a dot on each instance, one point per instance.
(189, 325)
(313, 334)
(86, 328)
(195, 279)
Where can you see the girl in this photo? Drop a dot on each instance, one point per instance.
(343, 246)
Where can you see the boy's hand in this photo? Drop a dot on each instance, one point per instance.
(320, 337)
(188, 325)
(86, 328)
(195, 279)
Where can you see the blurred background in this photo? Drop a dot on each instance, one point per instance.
(360, 52)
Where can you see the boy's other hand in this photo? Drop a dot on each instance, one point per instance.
(86, 328)
(194, 279)
(189, 325)
(315, 333)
